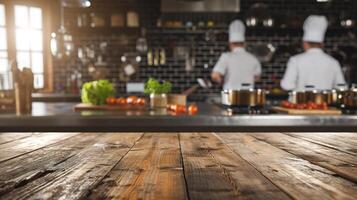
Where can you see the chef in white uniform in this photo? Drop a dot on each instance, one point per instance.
(238, 66)
(313, 67)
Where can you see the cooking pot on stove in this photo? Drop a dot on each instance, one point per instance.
(248, 97)
(338, 94)
(350, 98)
(315, 96)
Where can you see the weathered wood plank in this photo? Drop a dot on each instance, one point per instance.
(151, 170)
(331, 140)
(36, 141)
(214, 172)
(339, 162)
(76, 176)
(9, 137)
(297, 177)
(249, 182)
(205, 178)
(28, 167)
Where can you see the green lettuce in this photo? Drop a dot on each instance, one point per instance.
(96, 92)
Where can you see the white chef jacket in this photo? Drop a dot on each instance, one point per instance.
(313, 67)
(238, 67)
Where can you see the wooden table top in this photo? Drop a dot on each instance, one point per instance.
(178, 166)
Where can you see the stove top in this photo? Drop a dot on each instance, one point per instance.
(251, 110)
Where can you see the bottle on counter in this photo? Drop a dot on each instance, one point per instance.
(150, 61)
(156, 57)
(162, 56)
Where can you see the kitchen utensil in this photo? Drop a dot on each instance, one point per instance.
(141, 43)
(204, 83)
(158, 100)
(349, 98)
(259, 15)
(129, 66)
(244, 97)
(177, 99)
(315, 96)
(263, 52)
(338, 94)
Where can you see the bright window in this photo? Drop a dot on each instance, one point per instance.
(29, 41)
(5, 73)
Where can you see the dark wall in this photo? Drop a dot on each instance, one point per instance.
(285, 35)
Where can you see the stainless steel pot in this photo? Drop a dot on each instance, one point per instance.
(244, 97)
(338, 96)
(315, 96)
(349, 99)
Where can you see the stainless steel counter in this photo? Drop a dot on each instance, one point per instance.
(60, 117)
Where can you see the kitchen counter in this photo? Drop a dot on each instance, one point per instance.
(60, 117)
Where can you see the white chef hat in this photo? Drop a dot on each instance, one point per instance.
(236, 31)
(315, 27)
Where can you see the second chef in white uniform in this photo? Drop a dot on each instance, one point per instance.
(313, 67)
(238, 66)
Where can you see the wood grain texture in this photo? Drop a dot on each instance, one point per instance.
(345, 142)
(205, 178)
(28, 144)
(178, 166)
(76, 176)
(9, 137)
(297, 177)
(214, 172)
(249, 182)
(28, 167)
(339, 162)
(151, 170)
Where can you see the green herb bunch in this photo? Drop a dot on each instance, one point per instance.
(154, 86)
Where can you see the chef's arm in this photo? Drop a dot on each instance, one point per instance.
(289, 81)
(219, 69)
(217, 77)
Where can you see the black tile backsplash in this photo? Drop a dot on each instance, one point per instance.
(120, 40)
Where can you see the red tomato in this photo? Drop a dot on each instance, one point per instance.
(287, 104)
(110, 100)
(141, 101)
(120, 101)
(174, 107)
(131, 100)
(181, 109)
(300, 106)
(192, 109)
(323, 106)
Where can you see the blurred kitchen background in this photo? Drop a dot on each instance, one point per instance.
(129, 41)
